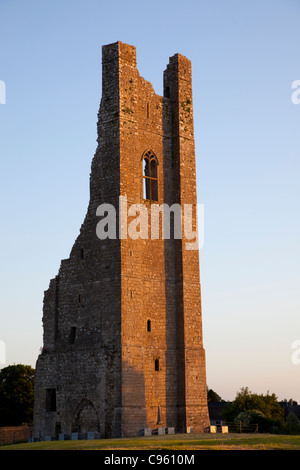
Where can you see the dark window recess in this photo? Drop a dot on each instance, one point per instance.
(72, 335)
(158, 415)
(150, 178)
(148, 110)
(81, 253)
(51, 399)
(80, 299)
(156, 365)
(57, 430)
(148, 325)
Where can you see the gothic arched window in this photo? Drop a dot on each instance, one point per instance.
(150, 179)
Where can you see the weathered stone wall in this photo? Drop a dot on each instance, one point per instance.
(99, 356)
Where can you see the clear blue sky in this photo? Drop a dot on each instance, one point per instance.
(245, 56)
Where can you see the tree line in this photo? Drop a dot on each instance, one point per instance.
(251, 411)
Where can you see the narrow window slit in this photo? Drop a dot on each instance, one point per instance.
(72, 335)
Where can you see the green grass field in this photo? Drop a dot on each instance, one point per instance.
(172, 442)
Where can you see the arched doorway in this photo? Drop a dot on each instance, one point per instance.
(86, 418)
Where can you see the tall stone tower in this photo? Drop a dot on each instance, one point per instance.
(123, 347)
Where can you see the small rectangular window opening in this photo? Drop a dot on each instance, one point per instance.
(72, 335)
(148, 325)
(158, 415)
(156, 365)
(80, 299)
(51, 399)
(57, 429)
(148, 110)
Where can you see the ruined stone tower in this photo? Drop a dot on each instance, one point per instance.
(123, 347)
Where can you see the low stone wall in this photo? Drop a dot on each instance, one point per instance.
(11, 434)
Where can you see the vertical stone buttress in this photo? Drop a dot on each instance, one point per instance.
(122, 326)
(192, 398)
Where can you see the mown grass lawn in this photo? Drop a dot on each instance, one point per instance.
(174, 442)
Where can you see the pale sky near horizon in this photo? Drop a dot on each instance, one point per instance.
(245, 57)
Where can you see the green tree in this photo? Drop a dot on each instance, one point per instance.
(213, 396)
(16, 395)
(271, 414)
(292, 424)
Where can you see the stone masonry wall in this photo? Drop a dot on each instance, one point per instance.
(123, 344)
